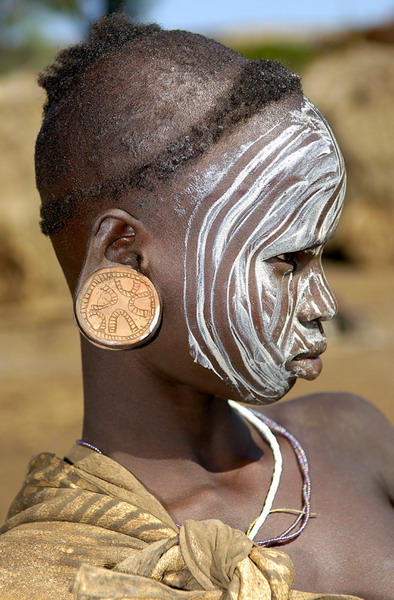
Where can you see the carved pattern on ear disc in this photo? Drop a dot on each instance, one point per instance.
(117, 308)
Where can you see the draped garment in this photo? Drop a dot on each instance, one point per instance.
(91, 531)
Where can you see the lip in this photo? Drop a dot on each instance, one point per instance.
(307, 364)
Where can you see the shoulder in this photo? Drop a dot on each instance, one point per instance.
(331, 409)
(39, 560)
(347, 426)
(33, 566)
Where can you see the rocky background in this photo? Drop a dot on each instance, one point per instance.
(351, 79)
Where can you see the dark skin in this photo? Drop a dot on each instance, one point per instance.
(165, 418)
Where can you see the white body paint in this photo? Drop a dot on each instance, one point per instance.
(284, 194)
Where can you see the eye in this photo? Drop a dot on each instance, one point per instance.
(287, 259)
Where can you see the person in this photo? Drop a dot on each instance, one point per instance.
(189, 193)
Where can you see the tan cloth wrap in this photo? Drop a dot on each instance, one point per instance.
(91, 531)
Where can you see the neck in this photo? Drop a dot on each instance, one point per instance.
(191, 450)
(141, 419)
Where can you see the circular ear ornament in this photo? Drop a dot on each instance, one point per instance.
(117, 308)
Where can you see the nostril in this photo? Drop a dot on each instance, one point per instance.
(319, 304)
(320, 327)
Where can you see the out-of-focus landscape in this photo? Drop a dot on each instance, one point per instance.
(350, 76)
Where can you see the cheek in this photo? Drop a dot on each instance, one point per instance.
(274, 306)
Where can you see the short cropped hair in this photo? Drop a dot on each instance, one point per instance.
(254, 84)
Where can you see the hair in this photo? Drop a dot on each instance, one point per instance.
(184, 65)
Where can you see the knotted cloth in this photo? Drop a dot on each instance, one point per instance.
(207, 560)
(91, 531)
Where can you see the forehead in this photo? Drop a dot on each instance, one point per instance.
(283, 185)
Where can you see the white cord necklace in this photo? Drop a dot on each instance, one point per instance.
(278, 463)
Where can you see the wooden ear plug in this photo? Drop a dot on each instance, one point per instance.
(117, 308)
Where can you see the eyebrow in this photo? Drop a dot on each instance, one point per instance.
(306, 248)
(313, 246)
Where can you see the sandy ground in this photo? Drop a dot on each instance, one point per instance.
(40, 385)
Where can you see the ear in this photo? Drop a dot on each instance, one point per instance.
(116, 238)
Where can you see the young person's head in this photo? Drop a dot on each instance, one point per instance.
(212, 175)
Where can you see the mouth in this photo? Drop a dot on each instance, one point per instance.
(308, 364)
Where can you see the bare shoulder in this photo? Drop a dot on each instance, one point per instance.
(332, 408)
(352, 428)
(328, 410)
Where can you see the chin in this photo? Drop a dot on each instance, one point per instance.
(263, 397)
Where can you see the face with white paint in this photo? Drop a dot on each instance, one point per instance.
(253, 258)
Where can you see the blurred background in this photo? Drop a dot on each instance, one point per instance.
(345, 53)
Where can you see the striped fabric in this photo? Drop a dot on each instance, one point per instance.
(90, 530)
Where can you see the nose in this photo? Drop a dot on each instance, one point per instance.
(318, 303)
